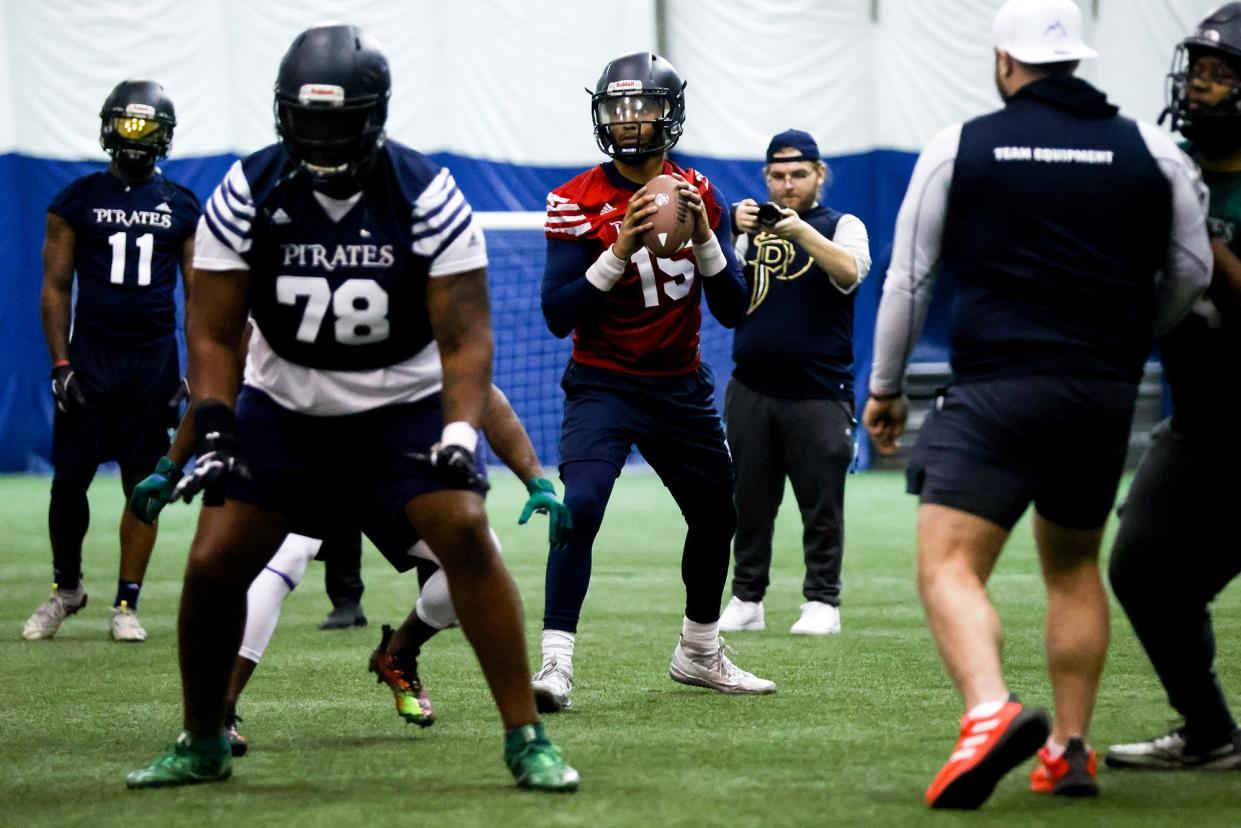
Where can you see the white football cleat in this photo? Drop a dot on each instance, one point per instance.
(48, 617)
(741, 616)
(125, 625)
(552, 685)
(714, 671)
(817, 618)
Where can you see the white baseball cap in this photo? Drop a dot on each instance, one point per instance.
(1040, 31)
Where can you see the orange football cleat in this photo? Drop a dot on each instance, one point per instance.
(1072, 774)
(988, 748)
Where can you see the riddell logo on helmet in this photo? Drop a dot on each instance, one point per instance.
(320, 93)
(624, 86)
(139, 110)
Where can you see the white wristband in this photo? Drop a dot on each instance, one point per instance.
(461, 434)
(606, 271)
(710, 257)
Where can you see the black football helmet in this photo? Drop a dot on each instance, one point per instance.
(638, 88)
(137, 121)
(1218, 125)
(332, 101)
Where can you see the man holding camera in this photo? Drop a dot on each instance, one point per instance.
(789, 406)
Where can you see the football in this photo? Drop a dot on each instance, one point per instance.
(673, 223)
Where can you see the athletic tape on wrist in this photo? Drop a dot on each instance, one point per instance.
(710, 257)
(606, 271)
(461, 434)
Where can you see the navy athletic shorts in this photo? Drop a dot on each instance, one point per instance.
(130, 405)
(672, 421)
(992, 448)
(325, 472)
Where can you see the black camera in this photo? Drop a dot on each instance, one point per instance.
(769, 213)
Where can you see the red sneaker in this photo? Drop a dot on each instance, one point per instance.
(988, 748)
(1073, 774)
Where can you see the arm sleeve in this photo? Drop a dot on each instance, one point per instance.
(223, 235)
(915, 255)
(566, 294)
(726, 291)
(852, 236)
(1187, 267)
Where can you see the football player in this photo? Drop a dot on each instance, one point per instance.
(364, 271)
(1171, 558)
(395, 661)
(635, 377)
(124, 232)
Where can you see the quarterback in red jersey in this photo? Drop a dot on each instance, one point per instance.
(635, 377)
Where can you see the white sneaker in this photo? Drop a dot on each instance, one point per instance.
(742, 615)
(817, 618)
(714, 671)
(552, 685)
(125, 625)
(48, 617)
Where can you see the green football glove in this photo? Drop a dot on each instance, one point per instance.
(543, 499)
(155, 491)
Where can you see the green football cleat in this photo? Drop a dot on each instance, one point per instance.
(536, 763)
(189, 761)
(400, 672)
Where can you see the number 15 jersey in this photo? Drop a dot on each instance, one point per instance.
(338, 286)
(649, 323)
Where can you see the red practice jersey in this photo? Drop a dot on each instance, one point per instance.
(650, 320)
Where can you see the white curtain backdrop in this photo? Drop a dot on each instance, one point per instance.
(502, 79)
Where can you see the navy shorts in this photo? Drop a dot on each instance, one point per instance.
(991, 448)
(130, 405)
(672, 421)
(325, 472)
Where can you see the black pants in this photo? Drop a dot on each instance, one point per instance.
(1176, 549)
(341, 554)
(811, 443)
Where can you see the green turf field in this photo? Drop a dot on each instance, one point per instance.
(860, 723)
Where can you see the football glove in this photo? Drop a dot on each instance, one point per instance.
(454, 466)
(544, 501)
(218, 449)
(66, 388)
(155, 491)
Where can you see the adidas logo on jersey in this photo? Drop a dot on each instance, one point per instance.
(163, 207)
(279, 216)
(607, 208)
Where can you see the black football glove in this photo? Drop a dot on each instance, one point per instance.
(218, 449)
(454, 466)
(67, 389)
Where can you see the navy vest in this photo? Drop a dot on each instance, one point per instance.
(1058, 220)
(796, 338)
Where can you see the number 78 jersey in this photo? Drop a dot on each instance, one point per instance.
(649, 323)
(338, 286)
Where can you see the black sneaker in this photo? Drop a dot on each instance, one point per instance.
(343, 617)
(1172, 752)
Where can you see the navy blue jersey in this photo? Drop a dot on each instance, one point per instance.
(796, 338)
(128, 243)
(342, 292)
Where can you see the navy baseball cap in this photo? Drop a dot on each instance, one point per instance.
(795, 139)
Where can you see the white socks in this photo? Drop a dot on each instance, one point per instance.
(700, 638)
(559, 643)
(982, 711)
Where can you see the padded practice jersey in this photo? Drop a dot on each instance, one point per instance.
(128, 240)
(649, 322)
(338, 293)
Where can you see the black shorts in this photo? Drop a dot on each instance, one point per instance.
(991, 448)
(326, 472)
(130, 406)
(672, 421)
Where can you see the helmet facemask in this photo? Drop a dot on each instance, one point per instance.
(1213, 128)
(619, 119)
(329, 138)
(136, 136)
